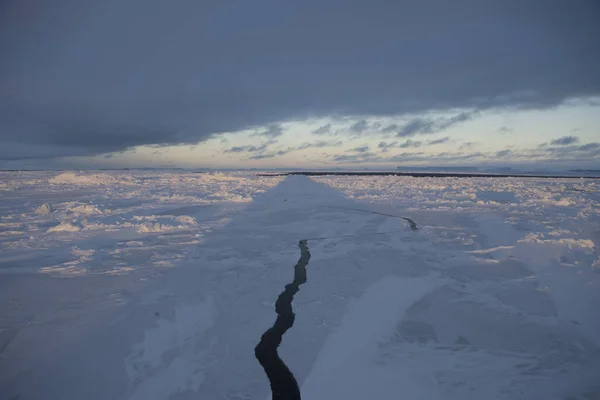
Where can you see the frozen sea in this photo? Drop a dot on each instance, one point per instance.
(158, 285)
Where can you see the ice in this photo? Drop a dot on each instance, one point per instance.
(158, 285)
(497, 197)
(45, 208)
(65, 227)
(86, 179)
(85, 209)
(351, 350)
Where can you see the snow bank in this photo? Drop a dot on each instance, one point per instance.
(88, 179)
(44, 209)
(65, 226)
(148, 227)
(86, 209)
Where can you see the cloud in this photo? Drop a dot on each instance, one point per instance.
(391, 128)
(405, 157)
(505, 129)
(97, 77)
(503, 153)
(582, 151)
(420, 156)
(441, 158)
(565, 141)
(272, 154)
(385, 146)
(586, 155)
(356, 158)
(248, 149)
(589, 146)
(263, 151)
(424, 126)
(467, 145)
(410, 143)
(361, 149)
(359, 126)
(271, 131)
(322, 130)
(318, 144)
(439, 141)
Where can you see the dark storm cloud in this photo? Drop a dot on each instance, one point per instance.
(87, 77)
(565, 141)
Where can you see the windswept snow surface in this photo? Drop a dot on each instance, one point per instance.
(158, 285)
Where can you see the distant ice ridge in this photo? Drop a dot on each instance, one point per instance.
(45, 208)
(87, 178)
(65, 226)
(86, 209)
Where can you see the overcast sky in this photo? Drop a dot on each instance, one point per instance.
(312, 83)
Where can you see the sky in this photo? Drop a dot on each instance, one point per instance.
(311, 84)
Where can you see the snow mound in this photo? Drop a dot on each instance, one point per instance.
(186, 219)
(149, 227)
(86, 209)
(44, 209)
(65, 227)
(87, 179)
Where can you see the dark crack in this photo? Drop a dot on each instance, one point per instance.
(413, 224)
(283, 384)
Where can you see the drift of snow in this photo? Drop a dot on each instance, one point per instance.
(86, 179)
(173, 278)
(44, 209)
(65, 227)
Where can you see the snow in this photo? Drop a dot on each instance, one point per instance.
(82, 178)
(158, 285)
(352, 349)
(45, 208)
(65, 227)
(190, 323)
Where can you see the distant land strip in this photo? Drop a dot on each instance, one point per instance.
(426, 174)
